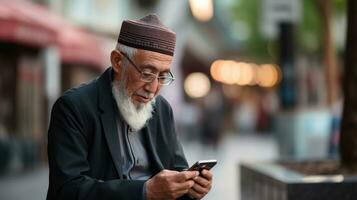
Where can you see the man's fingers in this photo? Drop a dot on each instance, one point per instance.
(186, 175)
(183, 186)
(195, 195)
(190, 182)
(166, 185)
(207, 174)
(200, 189)
(168, 172)
(202, 181)
(190, 174)
(202, 186)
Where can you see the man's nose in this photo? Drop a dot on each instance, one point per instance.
(153, 86)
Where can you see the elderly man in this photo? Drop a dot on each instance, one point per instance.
(114, 138)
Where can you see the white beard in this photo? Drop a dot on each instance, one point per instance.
(134, 116)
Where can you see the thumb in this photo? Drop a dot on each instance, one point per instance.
(187, 175)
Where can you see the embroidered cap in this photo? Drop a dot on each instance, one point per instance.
(148, 33)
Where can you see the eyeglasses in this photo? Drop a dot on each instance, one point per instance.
(149, 77)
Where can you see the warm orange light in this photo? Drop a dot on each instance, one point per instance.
(268, 75)
(247, 74)
(202, 10)
(228, 72)
(215, 73)
(254, 68)
(280, 76)
(241, 73)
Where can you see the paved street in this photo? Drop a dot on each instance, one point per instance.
(25, 186)
(232, 150)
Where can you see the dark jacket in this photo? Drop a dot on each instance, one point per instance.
(83, 149)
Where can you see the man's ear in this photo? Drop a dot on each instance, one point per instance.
(116, 59)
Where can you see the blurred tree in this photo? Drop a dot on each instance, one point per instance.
(329, 49)
(348, 139)
(311, 25)
(339, 6)
(249, 12)
(309, 29)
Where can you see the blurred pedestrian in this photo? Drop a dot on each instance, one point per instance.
(212, 118)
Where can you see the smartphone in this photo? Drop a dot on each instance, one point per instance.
(202, 164)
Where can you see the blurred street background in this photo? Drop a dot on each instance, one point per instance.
(254, 79)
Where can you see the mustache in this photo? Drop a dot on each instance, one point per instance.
(145, 94)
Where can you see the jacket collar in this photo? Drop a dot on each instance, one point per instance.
(104, 90)
(108, 113)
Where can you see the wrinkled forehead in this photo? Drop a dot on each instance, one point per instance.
(153, 60)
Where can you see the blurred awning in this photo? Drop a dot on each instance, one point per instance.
(22, 22)
(27, 23)
(79, 47)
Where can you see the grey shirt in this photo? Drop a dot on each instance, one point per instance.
(134, 156)
(141, 166)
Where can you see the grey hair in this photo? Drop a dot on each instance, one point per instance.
(129, 51)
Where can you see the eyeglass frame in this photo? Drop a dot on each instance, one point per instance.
(154, 76)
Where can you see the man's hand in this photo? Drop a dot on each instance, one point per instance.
(170, 184)
(202, 186)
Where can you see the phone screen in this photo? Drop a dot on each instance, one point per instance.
(203, 164)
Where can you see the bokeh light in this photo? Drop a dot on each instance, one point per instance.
(228, 72)
(215, 70)
(268, 75)
(245, 74)
(202, 10)
(197, 85)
